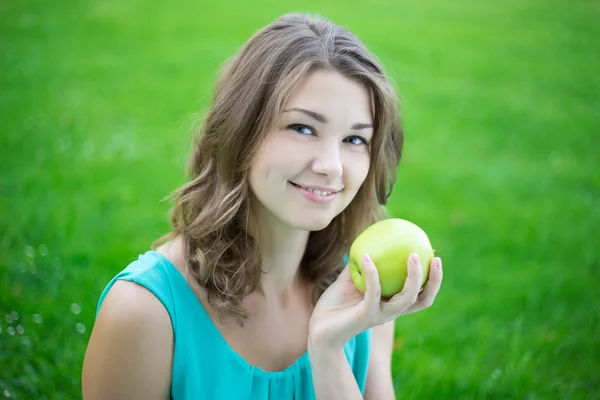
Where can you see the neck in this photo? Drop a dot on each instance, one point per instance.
(282, 249)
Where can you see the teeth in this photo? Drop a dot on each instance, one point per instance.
(318, 192)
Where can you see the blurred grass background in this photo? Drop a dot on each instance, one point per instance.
(502, 117)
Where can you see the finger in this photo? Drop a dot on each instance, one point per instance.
(412, 285)
(432, 287)
(372, 299)
(408, 296)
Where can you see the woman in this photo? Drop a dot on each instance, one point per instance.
(296, 157)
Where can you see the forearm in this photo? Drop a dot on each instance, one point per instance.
(332, 376)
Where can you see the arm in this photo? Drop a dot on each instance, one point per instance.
(333, 377)
(379, 384)
(130, 352)
(343, 312)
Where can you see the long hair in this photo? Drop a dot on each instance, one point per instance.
(215, 210)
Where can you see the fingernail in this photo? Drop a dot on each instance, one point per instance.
(439, 263)
(366, 258)
(414, 258)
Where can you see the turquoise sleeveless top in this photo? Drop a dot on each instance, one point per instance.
(204, 366)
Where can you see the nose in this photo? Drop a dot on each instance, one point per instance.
(328, 161)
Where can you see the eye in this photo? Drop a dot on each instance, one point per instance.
(357, 140)
(301, 129)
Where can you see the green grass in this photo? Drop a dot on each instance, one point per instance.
(502, 116)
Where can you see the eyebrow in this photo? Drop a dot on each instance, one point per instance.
(323, 119)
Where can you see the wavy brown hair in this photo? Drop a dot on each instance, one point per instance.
(215, 211)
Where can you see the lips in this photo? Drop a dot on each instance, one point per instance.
(316, 191)
(315, 196)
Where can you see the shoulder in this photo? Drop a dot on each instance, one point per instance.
(130, 352)
(132, 304)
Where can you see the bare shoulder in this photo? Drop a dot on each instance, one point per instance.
(130, 352)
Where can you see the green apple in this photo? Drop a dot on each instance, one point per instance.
(389, 243)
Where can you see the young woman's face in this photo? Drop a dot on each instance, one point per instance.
(316, 159)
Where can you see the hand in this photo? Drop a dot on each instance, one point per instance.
(343, 311)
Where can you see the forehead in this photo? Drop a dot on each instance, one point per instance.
(334, 95)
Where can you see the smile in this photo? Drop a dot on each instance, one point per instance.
(316, 195)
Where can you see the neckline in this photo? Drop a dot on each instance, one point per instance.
(172, 270)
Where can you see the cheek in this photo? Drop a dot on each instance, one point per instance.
(286, 160)
(276, 160)
(358, 169)
(278, 147)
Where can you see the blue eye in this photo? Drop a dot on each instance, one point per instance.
(301, 129)
(306, 130)
(357, 140)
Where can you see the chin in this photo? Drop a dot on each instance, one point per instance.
(312, 224)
